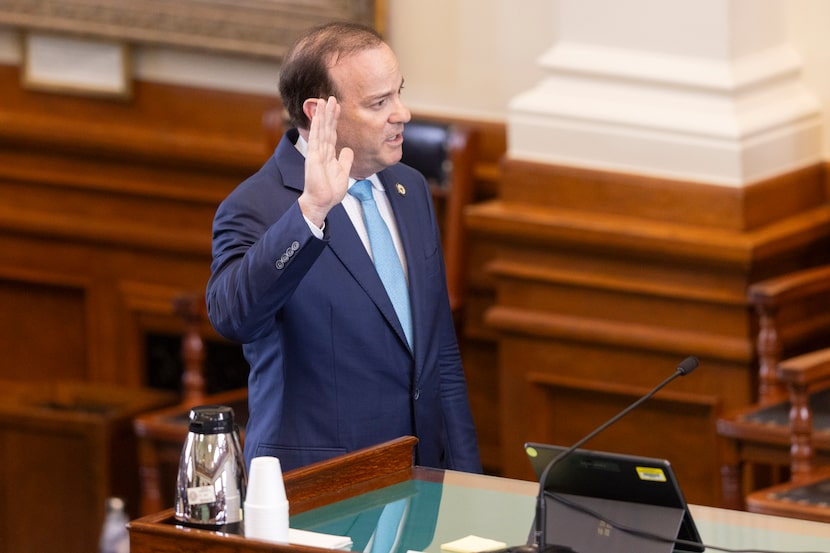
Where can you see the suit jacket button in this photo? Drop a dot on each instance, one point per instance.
(280, 264)
(295, 246)
(417, 394)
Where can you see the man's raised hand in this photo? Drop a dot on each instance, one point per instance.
(326, 174)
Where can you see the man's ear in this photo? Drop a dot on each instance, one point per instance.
(309, 107)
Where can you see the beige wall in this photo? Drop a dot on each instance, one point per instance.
(807, 28)
(469, 57)
(478, 54)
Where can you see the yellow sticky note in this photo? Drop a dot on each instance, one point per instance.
(652, 474)
(472, 544)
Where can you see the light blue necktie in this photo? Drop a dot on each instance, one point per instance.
(389, 527)
(386, 259)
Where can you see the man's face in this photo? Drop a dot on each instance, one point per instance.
(372, 115)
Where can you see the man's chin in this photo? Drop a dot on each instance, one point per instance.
(395, 155)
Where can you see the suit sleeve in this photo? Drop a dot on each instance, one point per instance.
(261, 251)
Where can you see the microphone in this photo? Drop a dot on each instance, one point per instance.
(685, 367)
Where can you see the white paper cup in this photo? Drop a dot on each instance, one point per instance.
(267, 523)
(265, 485)
(266, 505)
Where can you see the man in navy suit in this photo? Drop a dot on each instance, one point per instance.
(293, 279)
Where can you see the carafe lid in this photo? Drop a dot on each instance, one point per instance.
(211, 419)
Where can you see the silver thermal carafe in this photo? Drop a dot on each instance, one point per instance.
(210, 489)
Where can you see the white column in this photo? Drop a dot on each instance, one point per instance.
(700, 90)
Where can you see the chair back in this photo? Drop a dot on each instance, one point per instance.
(793, 313)
(426, 147)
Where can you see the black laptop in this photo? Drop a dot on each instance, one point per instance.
(600, 502)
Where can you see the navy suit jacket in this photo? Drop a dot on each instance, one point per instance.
(331, 370)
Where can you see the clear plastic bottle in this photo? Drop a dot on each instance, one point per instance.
(114, 535)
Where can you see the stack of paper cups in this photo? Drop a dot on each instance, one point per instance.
(266, 505)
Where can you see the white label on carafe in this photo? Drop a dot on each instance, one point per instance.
(202, 494)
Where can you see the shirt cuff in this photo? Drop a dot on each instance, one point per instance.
(315, 230)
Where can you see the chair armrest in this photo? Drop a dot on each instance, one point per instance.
(791, 286)
(806, 370)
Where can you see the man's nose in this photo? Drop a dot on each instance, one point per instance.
(401, 114)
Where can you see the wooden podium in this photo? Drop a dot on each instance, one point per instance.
(307, 488)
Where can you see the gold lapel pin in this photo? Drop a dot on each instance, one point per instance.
(401, 189)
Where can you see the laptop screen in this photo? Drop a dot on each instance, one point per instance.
(638, 493)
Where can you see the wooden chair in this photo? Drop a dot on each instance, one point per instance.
(793, 314)
(807, 494)
(162, 433)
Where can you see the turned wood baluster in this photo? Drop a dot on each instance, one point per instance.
(189, 308)
(801, 432)
(770, 389)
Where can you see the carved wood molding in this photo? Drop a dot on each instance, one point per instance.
(569, 385)
(621, 334)
(251, 27)
(536, 224)
(605, 193)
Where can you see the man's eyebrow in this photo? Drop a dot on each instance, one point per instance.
(391, 92)
(382, 95)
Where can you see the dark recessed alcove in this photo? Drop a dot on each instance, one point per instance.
(225, 367)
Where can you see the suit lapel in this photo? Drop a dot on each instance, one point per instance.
(407, 218)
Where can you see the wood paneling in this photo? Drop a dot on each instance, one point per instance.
(106, 215)
(50, 338)
(677, 202)
(605, 282)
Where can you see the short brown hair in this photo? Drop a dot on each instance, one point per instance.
(304, 72)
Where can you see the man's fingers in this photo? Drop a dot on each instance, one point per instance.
(323, 131)
(346, 159)
(331, 110)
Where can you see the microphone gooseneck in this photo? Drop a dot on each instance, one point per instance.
(685, 367)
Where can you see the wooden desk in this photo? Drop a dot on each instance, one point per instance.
(323, 496)
(64, 448)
